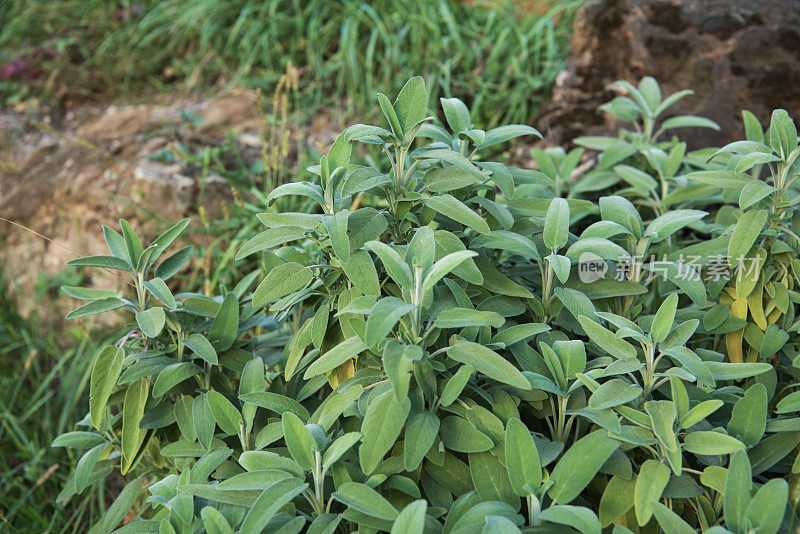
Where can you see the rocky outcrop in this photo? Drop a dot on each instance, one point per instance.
(735, 54)
(64, 174)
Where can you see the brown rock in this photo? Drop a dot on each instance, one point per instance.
(735, 54)
(62, 178)
(63, 174)
(237, 111)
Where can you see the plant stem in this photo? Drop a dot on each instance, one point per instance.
(534, 509)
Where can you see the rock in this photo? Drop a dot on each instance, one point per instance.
(237, 110)
(167, 176)
(63, 174)
(735, 54)
(65, 177)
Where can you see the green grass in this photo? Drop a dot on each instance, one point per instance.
(43, 392)
(502, 56)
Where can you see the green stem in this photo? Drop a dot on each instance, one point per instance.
(648, 130)
(244, 438)
(416, 301)
(409, 173)
(534, 509)
(649, 370)
(562, 419)
(319, 479)
(140, 292)
(547, 283)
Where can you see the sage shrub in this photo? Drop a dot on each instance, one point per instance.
(443, 342)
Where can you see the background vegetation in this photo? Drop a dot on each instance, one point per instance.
(504, 55)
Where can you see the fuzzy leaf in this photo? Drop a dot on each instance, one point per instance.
(488, 362)
(522, 459)
(105, 372)
(579, 464)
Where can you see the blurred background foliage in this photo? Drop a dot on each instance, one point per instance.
(499, 54)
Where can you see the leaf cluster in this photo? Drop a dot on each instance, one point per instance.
(418, 351)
